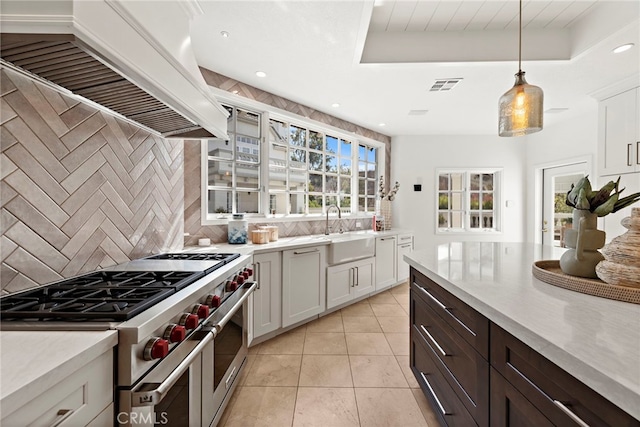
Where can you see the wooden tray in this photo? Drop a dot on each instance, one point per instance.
(549, 272)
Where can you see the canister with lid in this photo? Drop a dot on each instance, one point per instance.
(238, 229)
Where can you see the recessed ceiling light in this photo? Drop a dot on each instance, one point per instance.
(261, 74)
(623, 48)
(224, 34)
(382, 124)
(335, 105)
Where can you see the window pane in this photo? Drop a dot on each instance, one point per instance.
(247, 149)
(247, 176)
(247, 201)
(487, 182)
(332, 144)
(298, 159)
(315, 140)
(278, 203)
(371, 204)
(443, 182)
(487, 201)
(475, 201)
(475, 181)
(487, 220)
(220, 173)
(331, 200)
(345, 204)
(331, 184)
(297, 203)
(219, 201)
(315, 203)
(371, 188)
(315, 183)
(362, 168)
(361, 204)
(220, 148)
(277, 178)
(443, 201)
(443, 219)
(297, 180)
(248, 124)
(362, 153)
(345, 148)
(332, 164)
(371, 155)
(277, 132)
(361, 184)
(474, 219)
(345, 185)
(345, 166)
(298, 136)
(316, 162)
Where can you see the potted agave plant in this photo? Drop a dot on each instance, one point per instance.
(585, 239)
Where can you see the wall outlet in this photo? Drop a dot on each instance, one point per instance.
(358, 224)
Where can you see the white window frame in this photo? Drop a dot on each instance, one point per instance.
(498, 176)
(268, 112)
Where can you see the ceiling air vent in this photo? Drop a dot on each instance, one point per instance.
(443, 85)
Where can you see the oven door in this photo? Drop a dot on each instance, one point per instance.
(221, 367)
(171, 393)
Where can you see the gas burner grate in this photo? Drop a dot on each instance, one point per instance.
(225, 258)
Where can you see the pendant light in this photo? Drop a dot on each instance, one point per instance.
(521, 109)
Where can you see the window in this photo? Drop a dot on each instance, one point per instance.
(233, 173)
(305, 168)
(308, 170)
(367, 178)
(468, 200)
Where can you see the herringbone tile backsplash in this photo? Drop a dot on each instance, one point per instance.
(80, 188)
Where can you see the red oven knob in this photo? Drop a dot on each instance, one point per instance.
(231, 286)
(250, 271)
(245, 274)
(240, 280)
(213, 301)
(201, 310)
(156, 348)
(189, 321)
(175, 333)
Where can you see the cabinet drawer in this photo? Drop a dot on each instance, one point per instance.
(468, 323)
(75, 401)
(464, 369)
(446, 405)
(562, 398)
(509, 408)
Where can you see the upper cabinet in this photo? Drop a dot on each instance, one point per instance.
(619, 134)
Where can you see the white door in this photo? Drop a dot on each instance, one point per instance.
(556, 215)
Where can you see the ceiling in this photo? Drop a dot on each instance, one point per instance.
(378, 60)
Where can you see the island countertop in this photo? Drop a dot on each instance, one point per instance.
(597, 340)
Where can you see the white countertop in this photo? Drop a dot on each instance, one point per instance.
(285, 243)
(597, 340)
(33, 361)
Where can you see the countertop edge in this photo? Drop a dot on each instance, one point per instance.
(620, 395)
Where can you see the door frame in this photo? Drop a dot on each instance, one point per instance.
(538, 188)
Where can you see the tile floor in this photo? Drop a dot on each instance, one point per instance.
(349, 368)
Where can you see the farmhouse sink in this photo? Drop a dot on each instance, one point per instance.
(350, 247)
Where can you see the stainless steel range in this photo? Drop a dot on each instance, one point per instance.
(182, 330)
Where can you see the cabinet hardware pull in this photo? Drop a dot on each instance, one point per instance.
(353, 276)
(433, 340)
(405, 238)
(407, 245)
(570, 413)
(445, 308)
(306, 252)
(433, 393)
(357, 276)
(256, 273)
(436, 300)
(387, 238)
(62, 415)
(637, 152)
(629, 154)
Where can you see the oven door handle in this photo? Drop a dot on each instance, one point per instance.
(154, 395)
(218, 326)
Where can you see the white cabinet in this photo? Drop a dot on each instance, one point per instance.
(405, 246)
(349, 281)
(75, 401)
(619, 134)
(303, 283)
(386, 261)
(267, 298)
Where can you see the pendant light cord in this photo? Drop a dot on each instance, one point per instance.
(520, 41)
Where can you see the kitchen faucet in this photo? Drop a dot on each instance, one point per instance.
(326, 224)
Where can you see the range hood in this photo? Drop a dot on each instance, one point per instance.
(104, 54)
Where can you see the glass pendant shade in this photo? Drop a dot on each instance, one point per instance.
(521, 109)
